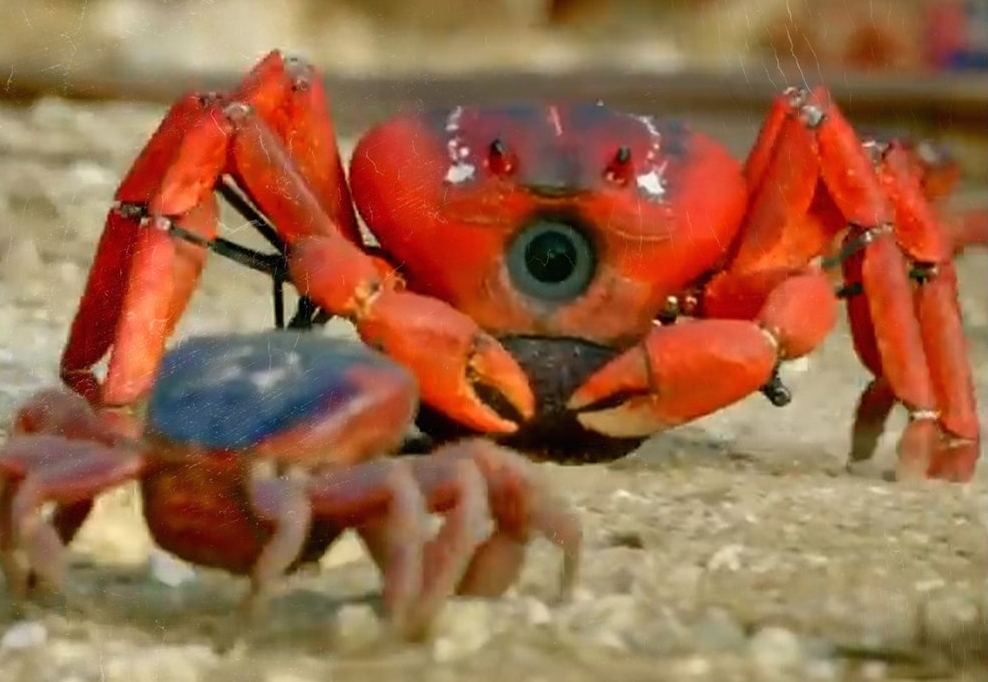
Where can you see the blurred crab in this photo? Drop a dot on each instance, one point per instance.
(257, 452)
(566, 278)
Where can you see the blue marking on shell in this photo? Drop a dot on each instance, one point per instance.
(235, 390)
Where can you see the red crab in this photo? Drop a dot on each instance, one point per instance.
(566, 278)
(258, 451)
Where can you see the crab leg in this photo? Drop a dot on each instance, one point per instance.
(919, 353)
(688, 370)
(287, 94)
(333, 272)
(141, 278)
(913, 336)
(766, 307)
(131, 287)
(40, 468)
(206, 138)
(912, 343)
(470, 483)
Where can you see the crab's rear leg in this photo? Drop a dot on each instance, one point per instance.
(913, 340)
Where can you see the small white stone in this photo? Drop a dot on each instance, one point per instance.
(774, 649)
(822, 669)
(169, 570)
(357, 627)
(799, 365)
(463, 628)
(88, 173)
(537, 613)
(726, 558)
(694, 666)
(25, 634)
(874, 670)
(20, 261)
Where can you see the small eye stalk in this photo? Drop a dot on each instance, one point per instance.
(500, 159)
(620, 169)
(552, 260)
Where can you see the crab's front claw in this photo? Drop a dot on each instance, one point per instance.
(677, 374)
(451, 357)
(449, 354)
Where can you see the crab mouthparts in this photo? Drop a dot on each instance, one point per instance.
(555, 366)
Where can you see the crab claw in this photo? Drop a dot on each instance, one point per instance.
(678, 374)
(451, 357)
(449, 354)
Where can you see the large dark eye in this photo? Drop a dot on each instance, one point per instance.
(551, 260)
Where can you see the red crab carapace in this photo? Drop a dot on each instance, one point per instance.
(567, 278)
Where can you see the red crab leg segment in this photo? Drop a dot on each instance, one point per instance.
(909, 337)
(142, 278)
(470, 483)
(685, 371)
(915, 345)
(445, 349)
(60, 451)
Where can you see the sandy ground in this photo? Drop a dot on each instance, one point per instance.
(735, 548)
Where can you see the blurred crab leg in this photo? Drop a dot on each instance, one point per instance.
(874, 406)
(95, 324)
(163, 274)
(968, 228)
(470, 483)
(174, 175)
(521, 502)
(760, 157)
(285, 504)
(396, 538)
(445, 557)
(50, 468)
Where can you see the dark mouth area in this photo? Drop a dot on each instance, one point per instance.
(555, 367)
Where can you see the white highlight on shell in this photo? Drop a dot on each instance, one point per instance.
(288, 367)
(652, 181)
(283, 368)
(460, 168)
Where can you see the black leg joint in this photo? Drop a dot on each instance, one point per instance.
(921, 273)
(849, 289)
(776, 392)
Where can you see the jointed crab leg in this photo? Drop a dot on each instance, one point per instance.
(143, 277)
(809, 177)
(470, 483)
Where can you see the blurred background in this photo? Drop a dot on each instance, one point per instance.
(914, 65)
(446, 36)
